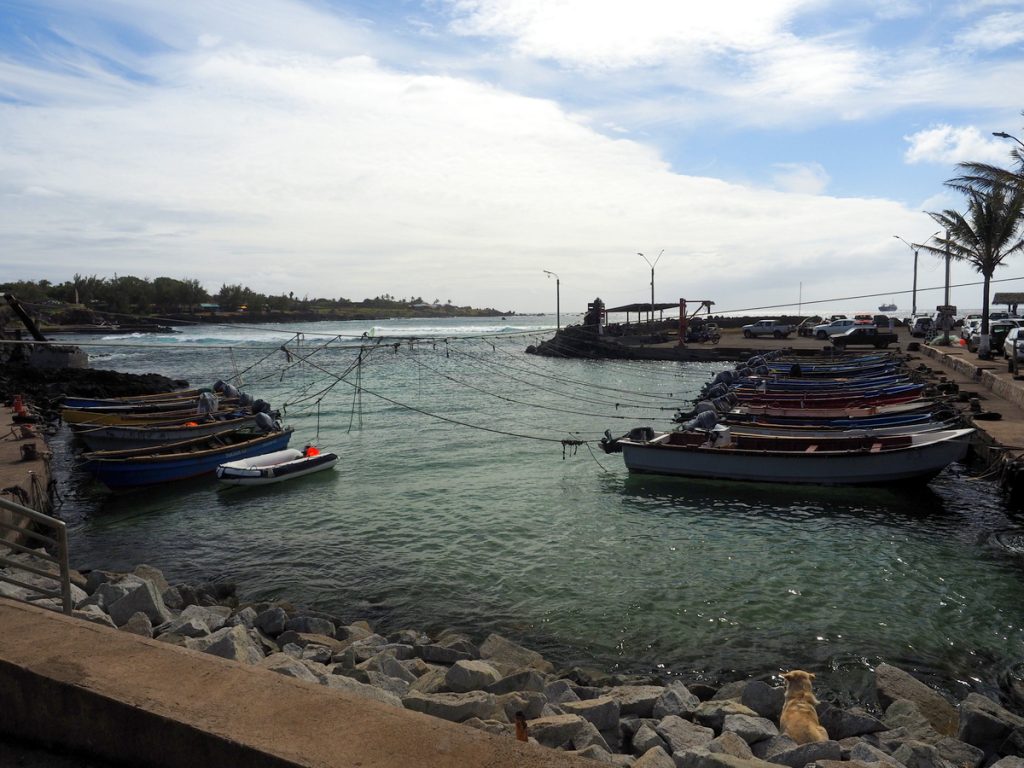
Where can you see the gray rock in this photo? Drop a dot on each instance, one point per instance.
(379, 680)
(490, 726)
(419, 667)
(98, 577)
(400, 651)
(503, 653)
(310, 625)
(1011, 761)
(109, 592)
(143, 597)
(917, 754)
(388, 665)
(722, 760)
(189, 626)
(559, 731)
(214, 616)
(911, 724)
(732, 690)
(228, 643)
(593, 752)
(455, 707)
(603, 712)
(264, 643)
(680, 734)
(764, 750)
(647, 738)
(731, 744)
(271, 621)
(172, 599)
(750, 729)
(636, 700)
(764, 699)
(155, 575)
(354, 687)
(317, 653)
(866, 753)
(655, 757)
(986, 724)
(302, 639)
(438, 654)
(799, 756)
(523, 680)
(587, 735)
(530, 703)
(841, 724)
(139, 624)
(431, 682)
(244, 618)
(560, 691)
(94, 614)
(712, 713)
(893, 684)
(285, 665)
(675, 699)
(470, 675)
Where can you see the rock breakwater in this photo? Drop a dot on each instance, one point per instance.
(614, 719)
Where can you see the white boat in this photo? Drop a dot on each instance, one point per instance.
(274, 467)
(870, 459)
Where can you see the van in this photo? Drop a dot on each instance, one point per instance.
(921, 326)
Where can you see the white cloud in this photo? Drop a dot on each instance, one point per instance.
(949, 145)
(999, 30)
(805, 178)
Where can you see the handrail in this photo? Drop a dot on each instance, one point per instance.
(60, 559)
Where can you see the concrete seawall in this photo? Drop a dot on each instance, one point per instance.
(122, 697)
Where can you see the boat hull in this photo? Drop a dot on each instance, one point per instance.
(274, 468)
(928, 455)
(114, 437)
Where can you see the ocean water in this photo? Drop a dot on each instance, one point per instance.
(455, 504)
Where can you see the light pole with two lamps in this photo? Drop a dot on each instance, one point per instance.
(1004, 135)
(650, 317)
(558, 298)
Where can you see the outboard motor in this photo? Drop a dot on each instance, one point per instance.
(208, 403)
(716, 391)
(260, 406)
(724, 377)
(703, 406)
(244, 399)
(266, 424)
(703, 421)
(763, 370)
(230, 392)
(755, 361)
(641, 434)
(609, 444)
(218, 386)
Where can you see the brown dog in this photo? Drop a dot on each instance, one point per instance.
(799, 718)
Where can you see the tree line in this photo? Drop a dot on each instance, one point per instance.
(169, 296)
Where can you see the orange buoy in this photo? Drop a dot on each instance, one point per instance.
(312, 450)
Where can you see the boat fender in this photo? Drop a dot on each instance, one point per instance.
(641, 434)
(310, 451)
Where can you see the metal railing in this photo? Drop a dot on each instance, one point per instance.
(57, 541)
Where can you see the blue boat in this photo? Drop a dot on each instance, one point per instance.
(133, 468)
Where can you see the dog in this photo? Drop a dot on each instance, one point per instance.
(799, 718)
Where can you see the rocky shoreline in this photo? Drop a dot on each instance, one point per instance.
(614, 719)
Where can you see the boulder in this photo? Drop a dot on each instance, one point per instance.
(764, 699)
(803, 754)
(431, 682)
(172, 599)
(139, 624)
(764, 750)
(733, 690)
(675, 699)
(603, 712)
(470, 675)
(680, 734)
(455, 707)
(594, 752)
(109, 592)
(509, 656)
(303, 639)
(190, 626)
(530, 703)
(917, 754)
(655, 757)
(843, 723)
(386, 664)
(568, 731)
(311, 625)
(987, 725)
(94, 614)
(245, 617)
(712, 713)
(97, 577)
(379, 680)
(729, 743)
(892, 684)
(152, 574)
(636, 700)
(560, 691)
(750, 729)
(271, 621)
(523, 680)
(722, 760)
(228, 643)
(439, 654)
(1009, 762)
(144, 597)
(647, 738)
(285, 665)
(866, 753)
(911, 724)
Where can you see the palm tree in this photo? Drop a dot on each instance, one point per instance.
(983, 175)
(984, 236)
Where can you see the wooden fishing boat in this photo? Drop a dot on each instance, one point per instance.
(86, 417)
(274, 467)
(853, 460)
(176, 461)
(122, 437)
(899, 393)
(70, 401)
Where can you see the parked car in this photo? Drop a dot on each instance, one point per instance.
(864, 319)
(825, 330)
(971, 325)
(864, 336)
(806, 328)
(997, 332)
(921, 326)
(775, 328)
(1013, 348)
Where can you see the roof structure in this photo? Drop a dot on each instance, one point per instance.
(1008, 298)
(643, 307)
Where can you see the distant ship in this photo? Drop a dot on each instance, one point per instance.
(887, 308)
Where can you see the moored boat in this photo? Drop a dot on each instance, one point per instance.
(176, 461)
(121, 437)
(275, 467)
(871, 459)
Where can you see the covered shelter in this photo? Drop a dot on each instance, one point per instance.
(643, 307)
(1011, 300)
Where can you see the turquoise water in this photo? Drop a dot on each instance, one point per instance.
(478, 522)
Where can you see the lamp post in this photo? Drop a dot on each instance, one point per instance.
(913, 301)
(558, 298)
(650, 317)
(1004, 135)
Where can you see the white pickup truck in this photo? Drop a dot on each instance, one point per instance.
(774, 328)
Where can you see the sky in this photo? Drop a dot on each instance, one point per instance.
(762, 153)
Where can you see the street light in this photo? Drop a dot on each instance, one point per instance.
(558, 298)
(913, 302)
(650, 317)
(1004, 135)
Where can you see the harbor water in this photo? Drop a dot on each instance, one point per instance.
(456, 504)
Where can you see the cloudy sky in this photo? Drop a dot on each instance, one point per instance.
(456, 149)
